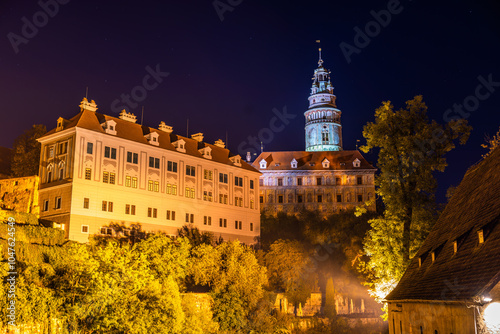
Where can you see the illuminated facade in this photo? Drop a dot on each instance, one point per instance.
(96, 169)
(324, 177)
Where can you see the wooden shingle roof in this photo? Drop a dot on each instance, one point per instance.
(475, 268)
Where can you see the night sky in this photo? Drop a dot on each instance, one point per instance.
(228, 69)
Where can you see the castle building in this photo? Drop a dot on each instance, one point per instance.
(97, 169)
(324, 177)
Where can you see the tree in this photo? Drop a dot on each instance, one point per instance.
(292, 270)
(26, 157)
(411, 149)
(235, 278)
(491, 143)
(330, 310)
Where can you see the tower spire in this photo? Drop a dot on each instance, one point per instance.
(320, 61)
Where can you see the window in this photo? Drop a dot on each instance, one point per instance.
(299, 181)
(105, 177)
(110, 206)
(192, 192)
(61, 174)
(207, 174)
(49, 177)
(191, 218)
(132, 210)
(90, 148)
(480, 235)
(172, 166)
(338, 181)
(134, 182)
(207, 220)
(299, 199)
(280, 182)
(109, 152)
(320, 198)
(236, 224)
(128, 181)
(86, 203)
(132, 158)
(154, 162)
(51, 152)
(46, 205)
(170, 215)
(251, 184)
(187, 193)
(261, 199)
(58, 203)
(174, 189)
(360, 198)
(85, 229)
(150, 212)
(324, 136)
(88, 173)
(104, 205)
(157, 186)
(261, 182)
(111, 178)
(190, 170)
(339, 198)
(63, 148)
(223, 178)
(207, 196)
(150, 185)
(280, 198)
(359, 180)
(318, 181)
(241, 225)
(155, 212)
(238, 181)
(127, 209)
(187, 217)
(251, 226)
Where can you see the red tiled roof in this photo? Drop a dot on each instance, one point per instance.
(339, 160)
(475, 269)
(135, 132)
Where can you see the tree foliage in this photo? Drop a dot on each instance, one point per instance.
(26, 156)
(411, 148)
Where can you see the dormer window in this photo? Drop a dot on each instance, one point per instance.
(109, 127)
(433, 256)
(152, 138)
(326, 163)
(294, 163)
(60, 124)
(206, 152)
(419, 262)
(263, 164)
(480, 236)
(236, 160)
(455, 247)
(180, 145)
(356, 163)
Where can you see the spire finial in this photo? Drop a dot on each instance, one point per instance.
(320, 61)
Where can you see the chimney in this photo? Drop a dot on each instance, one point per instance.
(127, 116)
(197, 136)
(220, 143)
(165, 128)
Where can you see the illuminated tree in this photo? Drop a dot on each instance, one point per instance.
(411, 148)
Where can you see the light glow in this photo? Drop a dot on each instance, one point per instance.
(492, 317)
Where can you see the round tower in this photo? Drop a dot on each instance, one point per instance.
(323, 128)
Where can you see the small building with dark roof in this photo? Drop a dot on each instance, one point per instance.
(452, 283)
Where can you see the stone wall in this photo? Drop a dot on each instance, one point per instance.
(20, 194)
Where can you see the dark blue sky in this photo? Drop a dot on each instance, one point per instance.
(228, 75)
